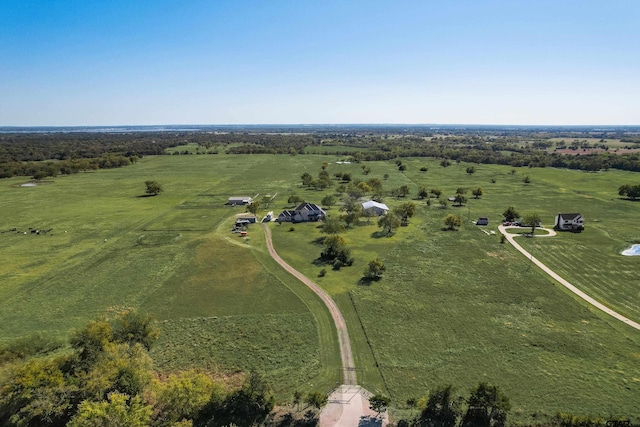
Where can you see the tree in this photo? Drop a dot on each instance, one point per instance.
(351, 218)
(402, 191)
(153, 188)
(254, 207)
(471, 170)
(375, 184)
(379, 403)
(510, 214)
(486, 407)
(182, 396)
(250, 405)
(317, 399)
(477, 192)
(90, 341)
(335, 249)
(307, 179)
(436, 192)
(532, 220)
(351, 204)
(424, 169)
(119, 410)
(35, 393)
(131, 327)
(402, 168)
(294, 199)
(375, 269)
(332, 226)
(328, 201)
(452, 221)
(526, 179)
(460, 200)
(423, 192)
(630, 191)
(460, 190)
(442, 410)
(405, 211)
(389, 222)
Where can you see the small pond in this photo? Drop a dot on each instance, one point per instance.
(634, 250)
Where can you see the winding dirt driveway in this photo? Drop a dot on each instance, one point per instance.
(348, 366)
(578, 292)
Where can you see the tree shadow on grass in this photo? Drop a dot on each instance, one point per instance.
(379, 234)
(145, 195)
(318, 241)
(367, 281)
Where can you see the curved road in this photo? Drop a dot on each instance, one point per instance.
(343, 335)
(578, 292)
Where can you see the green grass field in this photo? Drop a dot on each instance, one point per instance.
(453, 306)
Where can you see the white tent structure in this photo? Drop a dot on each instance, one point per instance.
(375, 207)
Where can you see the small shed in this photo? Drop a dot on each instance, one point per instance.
(239, 200)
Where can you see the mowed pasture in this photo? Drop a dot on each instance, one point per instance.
(453, 307)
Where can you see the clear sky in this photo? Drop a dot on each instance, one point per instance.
(127, 62)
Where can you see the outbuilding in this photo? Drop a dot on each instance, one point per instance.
(239, 200)
(375, 207)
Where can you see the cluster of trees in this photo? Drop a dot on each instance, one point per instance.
(107, 379)
(336, 252)
(486, 406)
(630, 191)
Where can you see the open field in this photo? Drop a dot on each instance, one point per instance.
(170, 255)
(453, 307)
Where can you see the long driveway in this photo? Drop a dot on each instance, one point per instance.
(343, 335)
(578, 292)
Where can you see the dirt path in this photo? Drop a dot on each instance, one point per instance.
(349, 406)
(578, 292)
(348, 366)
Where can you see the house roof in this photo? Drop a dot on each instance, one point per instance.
(569, 216)
(287, 213)
(372, 204)
(240, 198)
(309, 207)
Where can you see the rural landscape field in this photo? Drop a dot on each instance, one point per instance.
(453, 307)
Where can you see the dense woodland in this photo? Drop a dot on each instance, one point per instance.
(41, 155)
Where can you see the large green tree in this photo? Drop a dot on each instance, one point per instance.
(452, 221)
(531, 220)
(375, 269)
(153, 188)
(442, 409)
(486, 407)
(389, 223)
(511, 214)
(630, 191)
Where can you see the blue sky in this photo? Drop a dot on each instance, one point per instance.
(89, 62)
